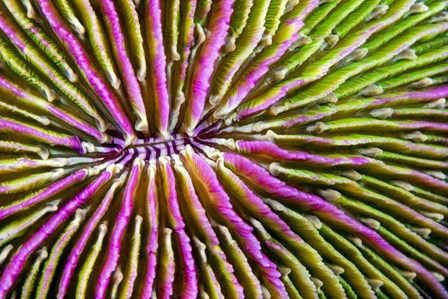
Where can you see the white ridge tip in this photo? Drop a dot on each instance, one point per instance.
(265, 294)
(375, 284)
(80, 214)
(434, 216)
(220, 163)
(330, 194)
(101, 125)
(56, 173)
(213, 153)
(230, 143)
(176, 159)
(164, 160)
(189, 131)
(188, 150)
(71, 75)
(220, 113)
(357, 241)
(438, 276)
(436, 174)
(317, 128)
(152, 169)
(180, 97)
(437, 104)
(141, 124)
(78, 27)
(317, 282)
(5, 252)
(128, 139)
(118, 182)
(260, 229)
(202, 294)
(291, 4)
(30, 12)
(408, 274)
(421, 231)
(103, 227)
(225, 232)
(201, 248)
(230, 44)
(329, 99)
(42, 253)
(118, 277)
(119, 167)
(52, 206)
(105, 138)
(304, 40)
(275, 205)
(280, 74)
(141, 74)
(44, 120)
(88, 147)
(114, 81)
(407, 54)
(266, 40)
(201, 34)
(372, 223)
(382, 113)
(276, 109)
(442, 17)
(378, 12)
(331, 41)
(416, 136)
(372, 90)
(258, 126)
(352, 174)
(371, 152)
(425, 82)
(138, 220)
(140, 162)
(165, 135)
(284, 270)
(357, 55)
(93, 171)
(112, 168)
(314, 220)
(403, 185)
(418, 8)
(337, 270)
(271, 135)
(175, 56)
(214, 99)
(230, 119)
(275, 168)
(43, 153)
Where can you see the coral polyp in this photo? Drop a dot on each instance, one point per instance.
(223, 149)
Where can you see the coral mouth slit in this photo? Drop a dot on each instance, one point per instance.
(161, 146)
(223, 149)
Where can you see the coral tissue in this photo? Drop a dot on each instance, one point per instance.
(223, 149)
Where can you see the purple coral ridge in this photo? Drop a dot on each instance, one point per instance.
(223, 149)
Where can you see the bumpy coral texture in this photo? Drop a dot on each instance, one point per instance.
(223, 149)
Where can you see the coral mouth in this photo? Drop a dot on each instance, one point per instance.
(156, 147)
(170, 141)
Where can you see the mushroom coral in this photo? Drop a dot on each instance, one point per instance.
(223, 149)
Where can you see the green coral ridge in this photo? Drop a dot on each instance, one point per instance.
(223, 149)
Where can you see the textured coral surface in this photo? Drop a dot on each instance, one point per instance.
(223, 149)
